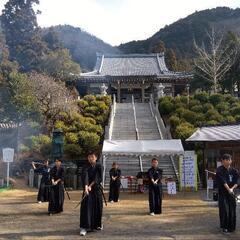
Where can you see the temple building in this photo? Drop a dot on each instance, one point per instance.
(139, 75)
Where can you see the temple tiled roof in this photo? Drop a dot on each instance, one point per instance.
(129, 65)
(134, 67)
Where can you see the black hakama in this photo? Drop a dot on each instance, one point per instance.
(92, 204)
(226, 201)
(56, 197)
(43, 191)
(155, 190)
(114, 184)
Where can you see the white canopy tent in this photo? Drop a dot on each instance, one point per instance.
(142, 147)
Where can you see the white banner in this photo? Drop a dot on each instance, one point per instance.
(8, 154)
(188, 169)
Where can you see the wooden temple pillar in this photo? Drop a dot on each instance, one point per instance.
(173, 89)
(143, 92)
(118, 92)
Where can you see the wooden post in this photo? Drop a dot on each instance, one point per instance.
(118, 92)
(143, 93)
(173, 89)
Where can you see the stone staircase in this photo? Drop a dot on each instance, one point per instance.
(146, 123)
(123, 124)
(124, 129)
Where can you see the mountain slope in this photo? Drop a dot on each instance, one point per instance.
(83, 46)
(179, 35)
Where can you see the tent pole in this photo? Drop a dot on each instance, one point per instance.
(104, 169)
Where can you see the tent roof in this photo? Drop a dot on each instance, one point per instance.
(218, 133)
(143, 147)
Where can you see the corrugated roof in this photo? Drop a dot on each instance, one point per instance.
(217, 133)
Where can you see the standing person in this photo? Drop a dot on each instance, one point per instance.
(92, 202)
(155, 188)
(44, 170)
(115, 182)
(56, 197)
(227, 178)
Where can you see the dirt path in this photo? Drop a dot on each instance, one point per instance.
(184, 217)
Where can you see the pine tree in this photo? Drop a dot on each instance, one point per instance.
(22, 33)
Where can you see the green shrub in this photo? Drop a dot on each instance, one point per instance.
(166, 107)
(212, 123)
(222, 107)
(202, 97)
(207, 107)
(230, 119)
(237, 118)
(174, 121)
(73, 150)
(184, 130)
(106, 99)
(61, 125)
(89, 98)
(197, 108)
(82, 103)
(235, 111)
(71, 137)
(89, 140)
(40, 144)
(189, 116)
(213, 114)
(216, 99)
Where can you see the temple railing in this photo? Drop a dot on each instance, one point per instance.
(163, 130)
(111, 118)
(137, 132)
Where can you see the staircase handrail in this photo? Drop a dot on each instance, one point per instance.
(111, 118)
(163, 131)
(135, 118)
(137, 133)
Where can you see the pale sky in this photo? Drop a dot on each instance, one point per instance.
(119, 21)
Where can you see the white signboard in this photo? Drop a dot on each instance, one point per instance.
(210, 184)
(8, 154)
(171, 188)
(188, 169)
(124, 182)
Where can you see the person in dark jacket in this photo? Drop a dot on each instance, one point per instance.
(155, 188)
(92, 202)
(227, 178)
(44, 170)
(56, 196)
(115, 182)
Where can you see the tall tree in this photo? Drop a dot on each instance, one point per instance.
(59, 64)
(159, 47)
(171, 60)
(19, 21)
(231, 81)
(52, 97)
(215, 60)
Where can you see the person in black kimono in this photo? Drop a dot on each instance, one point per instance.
(155, 188)
(115, 182)
(226, 179)
(92, 202)
(43, 191)
(56, 196)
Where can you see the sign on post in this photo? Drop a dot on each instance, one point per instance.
(8, 155)
(171, 188)
(188, 170)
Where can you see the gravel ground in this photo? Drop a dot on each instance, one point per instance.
(185, 216)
